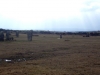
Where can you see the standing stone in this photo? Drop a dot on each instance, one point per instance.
(87, 35)
(17, 34)
(7, 36)
(29, 35)
(1, 36)
(60, 36)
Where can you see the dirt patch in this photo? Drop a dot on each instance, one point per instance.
(19, 57)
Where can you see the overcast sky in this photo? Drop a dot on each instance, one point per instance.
(56, 15)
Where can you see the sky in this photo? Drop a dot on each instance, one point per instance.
(52, 15)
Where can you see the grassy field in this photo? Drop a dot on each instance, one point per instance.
(48, 55)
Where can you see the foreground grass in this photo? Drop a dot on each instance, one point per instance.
(47, 55)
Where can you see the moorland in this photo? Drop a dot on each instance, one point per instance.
(46, 54)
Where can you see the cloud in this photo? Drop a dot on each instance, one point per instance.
(62, 15)
(91, 6)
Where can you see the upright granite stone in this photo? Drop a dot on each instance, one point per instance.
(1, 36)
(8, 36)
(88, 35)
(29, 35)
(17, 34)
(60, 36)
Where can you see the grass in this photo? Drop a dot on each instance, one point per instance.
(47, 55)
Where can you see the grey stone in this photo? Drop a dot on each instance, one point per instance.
(1, 36)
(29, 35)
(17, 34)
